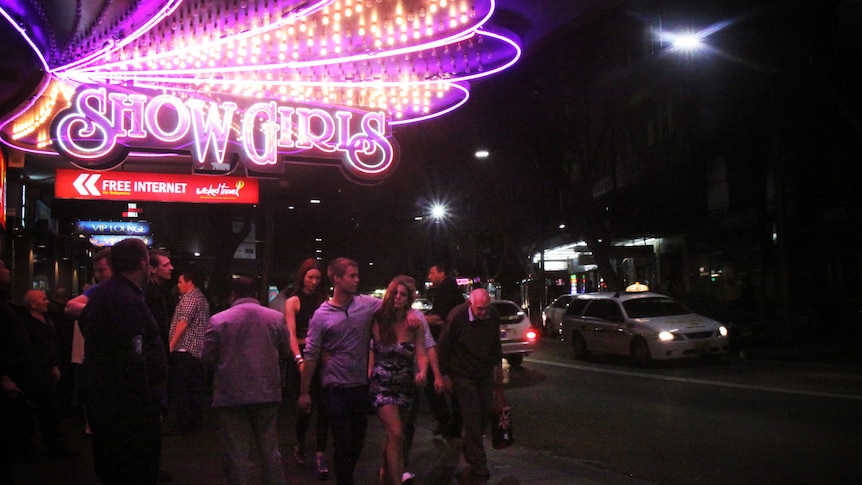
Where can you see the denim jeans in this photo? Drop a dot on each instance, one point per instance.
(347, 409)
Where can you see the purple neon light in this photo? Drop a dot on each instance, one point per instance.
(419, 70)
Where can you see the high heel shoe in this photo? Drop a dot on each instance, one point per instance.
(322, 467)
(299, 455)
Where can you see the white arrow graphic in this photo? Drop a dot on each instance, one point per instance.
(85, 184)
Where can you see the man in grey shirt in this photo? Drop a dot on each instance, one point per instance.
(244, 343)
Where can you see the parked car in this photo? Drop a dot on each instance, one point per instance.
(552, 315)
(645, 326)
(516, 333)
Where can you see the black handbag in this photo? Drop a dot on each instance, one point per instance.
(501, 434)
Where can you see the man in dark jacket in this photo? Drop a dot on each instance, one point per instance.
(46, 358)
(470, 355)
(444, 295)
(126, 371)
(16, 374)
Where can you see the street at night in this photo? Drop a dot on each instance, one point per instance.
(746, 421)
(693, 422)
(632, 182)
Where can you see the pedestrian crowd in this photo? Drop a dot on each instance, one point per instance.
(142, 359)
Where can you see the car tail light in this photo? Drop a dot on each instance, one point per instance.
(531, 334)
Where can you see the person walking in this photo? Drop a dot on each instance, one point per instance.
(309, 294)
(444, 295)
(341, 328)
(398, 364)
(470, 360)
(187, 377)
(126, 372)
(244, 344)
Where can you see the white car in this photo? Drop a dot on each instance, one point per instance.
(552, 315)
(643, 325)
(516, 333)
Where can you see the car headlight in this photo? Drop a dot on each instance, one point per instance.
(665, 336)
(722, 330)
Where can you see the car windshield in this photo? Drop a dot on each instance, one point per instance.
(654, 307)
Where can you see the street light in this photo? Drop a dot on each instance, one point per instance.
(438, 212)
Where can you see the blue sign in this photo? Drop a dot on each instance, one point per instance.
(132, 228)
(103, 240)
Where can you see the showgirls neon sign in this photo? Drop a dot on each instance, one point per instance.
(230, 81)
(102, 126)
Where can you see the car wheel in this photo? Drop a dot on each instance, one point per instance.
(515, 360)
(640, 352)
(580, 346)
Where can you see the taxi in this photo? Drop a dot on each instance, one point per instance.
(643, 325)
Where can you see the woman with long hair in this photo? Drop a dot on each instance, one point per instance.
(309, 293)
(396, 349)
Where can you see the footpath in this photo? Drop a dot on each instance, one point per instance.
(195, 459)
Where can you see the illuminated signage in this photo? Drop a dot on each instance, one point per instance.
(112, 227)
(104, 240)
(158, 187)
(103, 125)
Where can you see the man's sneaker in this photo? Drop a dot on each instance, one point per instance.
(407, 477)
(322, 467)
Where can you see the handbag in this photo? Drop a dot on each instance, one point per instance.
(501, 434)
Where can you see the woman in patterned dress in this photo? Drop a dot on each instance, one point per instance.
(395, 348)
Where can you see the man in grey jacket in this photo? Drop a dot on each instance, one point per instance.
(244, 343)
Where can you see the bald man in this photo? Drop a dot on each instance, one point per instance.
(46, 357)
(470, 355)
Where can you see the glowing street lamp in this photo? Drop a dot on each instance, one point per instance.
(687, 42)
(438, 212)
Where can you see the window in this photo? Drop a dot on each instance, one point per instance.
(576, 307)
(604, 309)
(654, 307)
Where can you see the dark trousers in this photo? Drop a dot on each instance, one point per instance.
(15, 413)
(303, 420)
(44, 397)
(347, 410)
(127, 449)
(187, 385)
(475, 398)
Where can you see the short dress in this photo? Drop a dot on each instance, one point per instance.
(392, 376)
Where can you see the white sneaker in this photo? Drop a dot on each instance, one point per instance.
(407, 477)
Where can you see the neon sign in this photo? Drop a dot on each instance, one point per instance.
(104, 240)
(102, 126)
(156, 187)
(112, 227)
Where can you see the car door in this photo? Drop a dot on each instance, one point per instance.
(603, 320)
(572, 319)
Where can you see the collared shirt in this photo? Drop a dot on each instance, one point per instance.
(344, 334)
(194, 308)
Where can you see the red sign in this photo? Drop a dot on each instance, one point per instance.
(157, 187)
